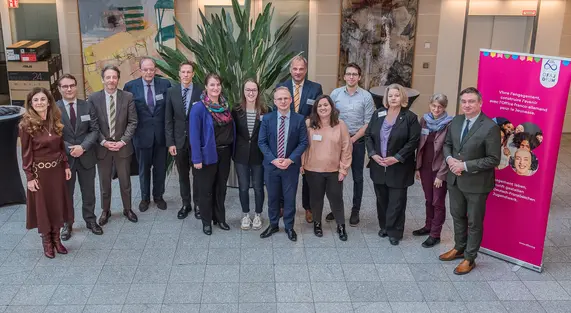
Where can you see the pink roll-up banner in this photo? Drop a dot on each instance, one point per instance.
(527, 96)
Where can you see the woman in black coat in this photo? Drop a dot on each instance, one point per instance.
(391, 139)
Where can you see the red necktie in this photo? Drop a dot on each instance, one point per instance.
(72, 115)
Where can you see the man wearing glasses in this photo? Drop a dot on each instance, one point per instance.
(80, 133)
(356, 107)
(149, 93)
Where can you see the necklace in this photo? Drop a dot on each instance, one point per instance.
(47, 131)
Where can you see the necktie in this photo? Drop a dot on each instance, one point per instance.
(150, 100)
(184, 94)
(112, 113)
(72, 115)
(466, 129)
(281, 138)
(296, 98)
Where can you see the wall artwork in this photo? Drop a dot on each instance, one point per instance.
(379, 36)
(119, 32)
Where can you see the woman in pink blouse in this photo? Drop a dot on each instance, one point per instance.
(325, 162)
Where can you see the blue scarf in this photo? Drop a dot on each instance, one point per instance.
(438, 124)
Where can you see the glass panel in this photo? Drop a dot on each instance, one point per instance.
(36, 21)
(283, 10)
(209, 10)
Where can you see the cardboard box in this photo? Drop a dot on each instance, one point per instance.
(26, 75)
(29, 51)
(18, 95)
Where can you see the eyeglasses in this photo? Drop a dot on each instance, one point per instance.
(352, 74)
(251, 90)
(282, 99)
(68, 86)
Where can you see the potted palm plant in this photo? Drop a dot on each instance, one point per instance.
(254, 52)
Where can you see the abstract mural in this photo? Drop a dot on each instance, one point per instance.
(119, 32)
(379, 36)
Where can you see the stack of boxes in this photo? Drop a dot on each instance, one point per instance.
(31, 64)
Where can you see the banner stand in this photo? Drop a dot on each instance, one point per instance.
(510, 259)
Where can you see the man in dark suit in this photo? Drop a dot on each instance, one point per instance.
(149, 93)
(304, 93)
(180, 98)
(117, 117)
(472, 151)
(80, 133)
(282, 140)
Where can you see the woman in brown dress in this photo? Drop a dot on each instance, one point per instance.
(45, 163)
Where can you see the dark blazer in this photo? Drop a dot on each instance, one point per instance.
(125, 123)
(402, 144)
(247, 150)
(296, 143)
(176, 120)
(310, 91)
(480, 149)
(438, 163)
(85, 133)
(151, 125)
(202, 137)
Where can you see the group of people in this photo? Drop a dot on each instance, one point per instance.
(305, 132)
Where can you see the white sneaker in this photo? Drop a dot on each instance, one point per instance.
(257, 224)
(246, 222)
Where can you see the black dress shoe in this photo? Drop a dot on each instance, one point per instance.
(394, 241)
(104, 218)
(223, 226)
(317, 230)
(342, 232)
(269, 231)
(421, 232)
(95, 229)
(354, 219)
(161, 204)
(430, 242)
(329, 217)
(131, 216)
(197, 213)
(291, 234)
(144, 205)
(183, 212)
(66, 232)
(383, 233)
(207, 229)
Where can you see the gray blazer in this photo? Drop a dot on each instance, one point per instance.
(85, 133)
(125, 123)
(480, 149)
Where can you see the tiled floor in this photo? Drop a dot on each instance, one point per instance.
(162, 264)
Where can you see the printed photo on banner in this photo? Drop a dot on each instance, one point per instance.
(525, 137)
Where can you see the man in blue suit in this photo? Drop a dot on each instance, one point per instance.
(304, 93)
(282, 140)
(149, 93)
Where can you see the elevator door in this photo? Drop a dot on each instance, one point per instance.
(508, 33)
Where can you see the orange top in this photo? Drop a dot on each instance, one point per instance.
(329, 149)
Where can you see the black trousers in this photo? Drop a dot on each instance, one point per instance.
(86, 178)
(212, 187)
(184, 166)
(391, 208)
(326, 184)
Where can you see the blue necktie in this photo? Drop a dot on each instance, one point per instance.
(466, 129)
(184, 94)
(150, 100)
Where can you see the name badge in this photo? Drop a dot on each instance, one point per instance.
(317, 137)
(85, 118)
(310, 101)
(382, 113)
(159, 97)
(425, 131)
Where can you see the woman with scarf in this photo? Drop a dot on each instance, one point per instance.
(431, 168)
(212, 134)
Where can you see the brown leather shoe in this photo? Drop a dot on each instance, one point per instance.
(308, 216)
(451, 255)
(104, 218)
(464, 267)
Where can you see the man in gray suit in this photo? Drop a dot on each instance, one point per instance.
(117, 118)
(80, 132)
(472, 151)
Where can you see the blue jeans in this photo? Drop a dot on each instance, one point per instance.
(256, 173)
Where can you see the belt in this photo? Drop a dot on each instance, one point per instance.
(44, 165)
(223, 147)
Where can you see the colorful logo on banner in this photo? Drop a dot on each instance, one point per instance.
(526, 95)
